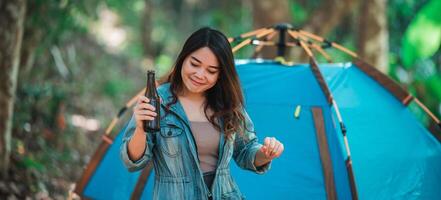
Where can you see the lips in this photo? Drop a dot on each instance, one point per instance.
(195, 82)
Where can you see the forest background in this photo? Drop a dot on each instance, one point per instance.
(68, 66)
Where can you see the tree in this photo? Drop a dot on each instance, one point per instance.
(146, 32)
(328, 15)
(373, 45)
(324, 19)
(268, 13)
(12, 16)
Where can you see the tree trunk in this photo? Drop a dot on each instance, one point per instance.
(12, 15)
(372, 42)
(31, 39)
(186, 17)
(146, 30)
(325, 18)
(32, 36)
(268, 13)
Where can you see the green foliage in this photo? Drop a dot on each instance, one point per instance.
(414, 42)
(100, 82)
(29, 162)
(59, 19)
(423, 37)
(114, 87)
(163, 64)
(299, 13)
(433, 85)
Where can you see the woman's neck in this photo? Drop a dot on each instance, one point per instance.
(195, 97)
(193, 105)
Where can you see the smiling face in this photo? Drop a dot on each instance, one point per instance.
(200, 71)
(205, 66)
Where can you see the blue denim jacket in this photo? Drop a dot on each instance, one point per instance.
(173, 151)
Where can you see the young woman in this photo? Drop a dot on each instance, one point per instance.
(203, 126)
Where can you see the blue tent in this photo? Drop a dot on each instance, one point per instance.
(370, 146)
(394, 156)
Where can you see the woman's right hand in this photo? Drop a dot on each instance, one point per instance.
(143, 111)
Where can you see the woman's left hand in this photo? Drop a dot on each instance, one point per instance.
(272, 148)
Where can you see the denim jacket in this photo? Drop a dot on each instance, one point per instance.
(175, 159)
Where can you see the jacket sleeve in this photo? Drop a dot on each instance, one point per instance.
(148, 154)
(246, 147)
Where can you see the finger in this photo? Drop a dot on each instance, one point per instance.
(146, 112)
(145, 99)
(280, 150)
(146, 106)
(267, 152)
(275, 150)
(272, 143)
(266, 142)
(145, 117)
(262, 149)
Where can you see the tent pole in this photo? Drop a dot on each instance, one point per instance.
(281, 45)
(122, 111)
(428, 112)
(260, 44)
(142, 181)
(244, 35)
(348, 161)
(248, 41)
(321, 51)
(260, 47)
(324, 153)
(319, 77)
(314, 67)
(314, 46)
(333, 44)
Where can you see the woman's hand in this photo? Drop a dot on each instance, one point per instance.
(143, 111)
(272, 148)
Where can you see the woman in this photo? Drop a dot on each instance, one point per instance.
(203, 126)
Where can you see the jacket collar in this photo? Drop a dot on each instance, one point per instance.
(167, 97)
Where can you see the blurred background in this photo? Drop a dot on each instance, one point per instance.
(72, 64)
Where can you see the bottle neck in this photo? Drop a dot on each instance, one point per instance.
(151, 86)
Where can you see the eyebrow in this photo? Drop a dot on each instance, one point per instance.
(197, 60)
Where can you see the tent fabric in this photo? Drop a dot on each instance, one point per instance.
(394, 156)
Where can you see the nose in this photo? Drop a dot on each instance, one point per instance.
(199, 74)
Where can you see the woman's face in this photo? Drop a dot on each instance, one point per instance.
(200, 71)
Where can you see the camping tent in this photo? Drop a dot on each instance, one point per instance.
(391, 154)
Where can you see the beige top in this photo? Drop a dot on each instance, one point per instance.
(207, 142)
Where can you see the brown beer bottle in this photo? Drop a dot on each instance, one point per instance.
(151, 93)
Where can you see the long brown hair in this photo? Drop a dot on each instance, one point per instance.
(225, 98)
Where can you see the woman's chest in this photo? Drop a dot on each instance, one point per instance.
(182, 142)
(195, 110)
